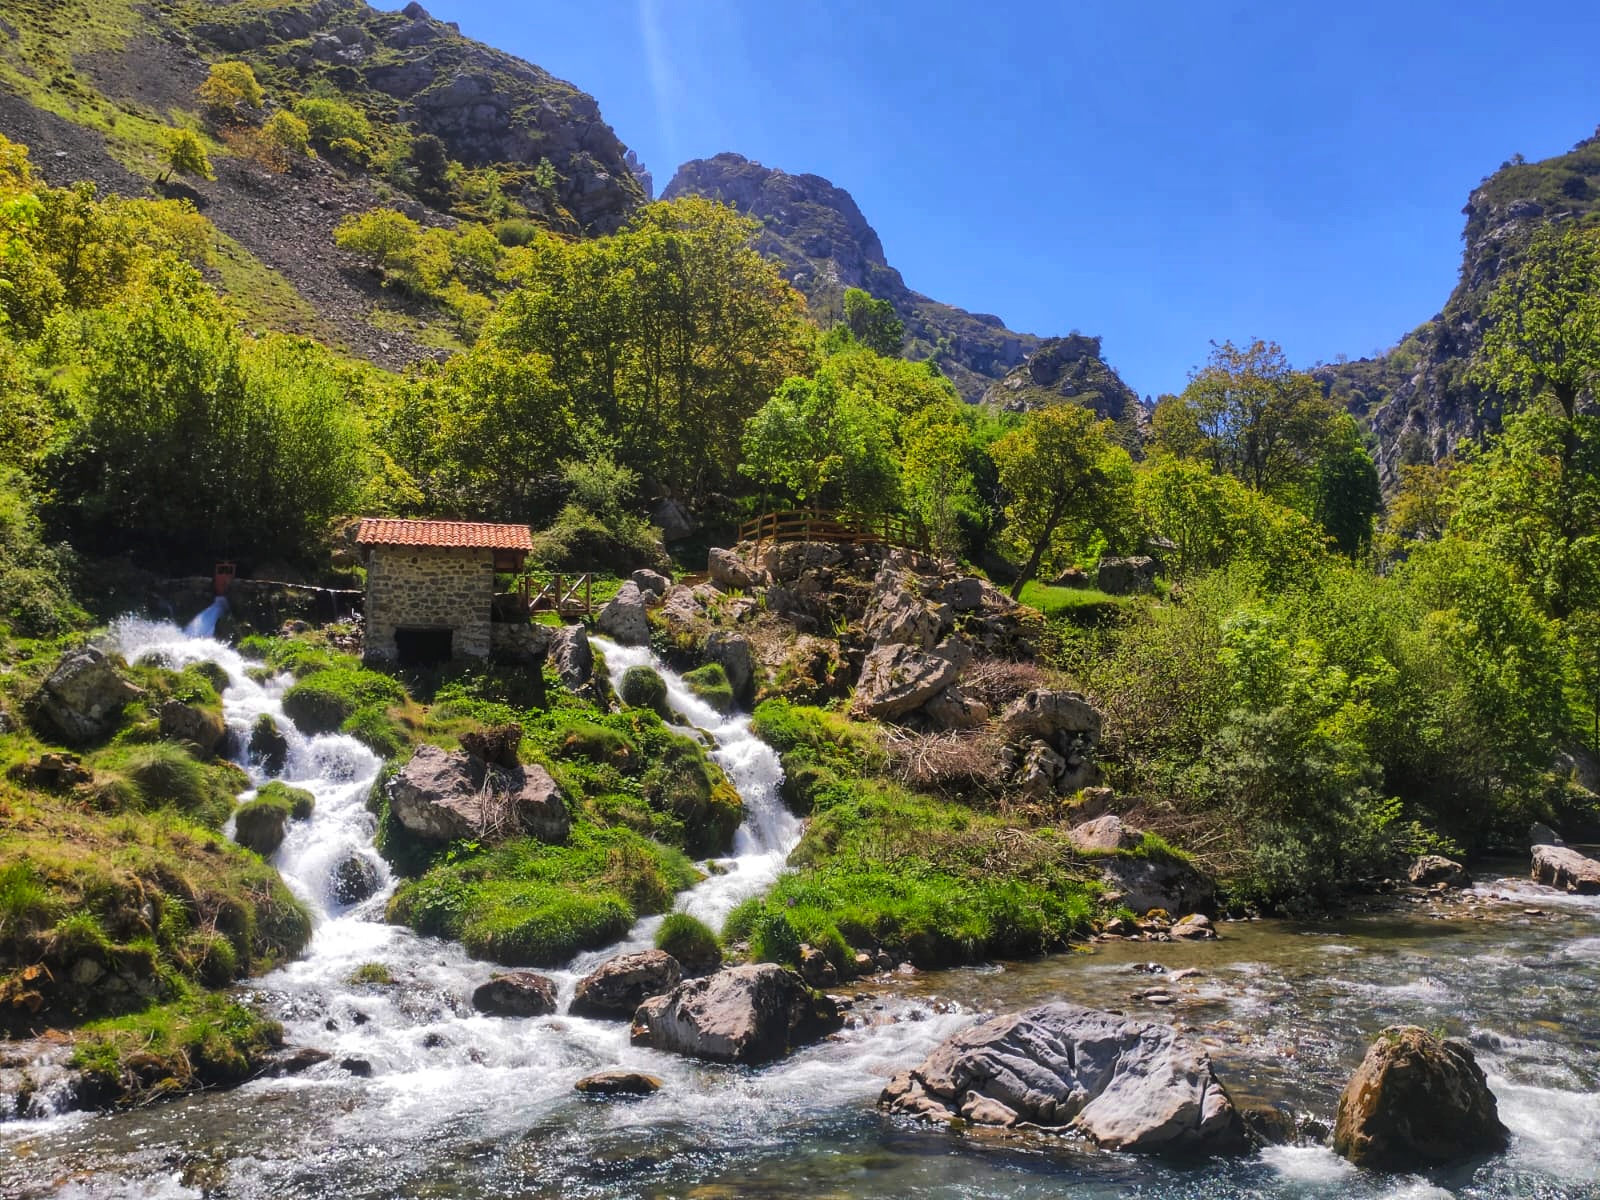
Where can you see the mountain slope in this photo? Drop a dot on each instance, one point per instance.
(1419, 399)
(825, 244)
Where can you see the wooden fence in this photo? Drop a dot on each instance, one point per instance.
(568, 595)
(836, 526)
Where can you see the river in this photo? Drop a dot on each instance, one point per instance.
(460, 1105)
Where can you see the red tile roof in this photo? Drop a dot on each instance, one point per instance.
(380, 531)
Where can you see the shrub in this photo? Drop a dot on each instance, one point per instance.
(710, 683)
(690, 941)
(642, 687)
(375, 729)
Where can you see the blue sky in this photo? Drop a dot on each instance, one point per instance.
(1159, 173)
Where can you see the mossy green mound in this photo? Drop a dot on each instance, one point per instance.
(690, 941)
(710, 683)
(643, 687)
(261, 824)
(324, 700)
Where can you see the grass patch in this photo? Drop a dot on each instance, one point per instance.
(710, 683)
(525, 903)
(323, 701)
(1081, 605)
(165, 776)
(260, 824)
(643, 687)
(689, 940)
(265, 298)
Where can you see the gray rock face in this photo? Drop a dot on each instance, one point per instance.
(1126, 576)
(1563, 867)
(444, 796)
(1052, 736)
(899, 679)
(747, 1014)
(899, 614)
(1430, 869)
(623, 616)
(615, 989)
(83, 695)
(954, 709)
(1106, 833)
(728, 570)
(733, 652)
(516, 994)
(1125, 1085)
(652, 583)
(1042, 713)
(1194, 928)
(572, 656)
(674, 520)
(1146, 883)
(1415, 1102)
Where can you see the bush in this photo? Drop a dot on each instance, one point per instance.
(643, 687)
(690, 941)
(710, 683)
(324, 701)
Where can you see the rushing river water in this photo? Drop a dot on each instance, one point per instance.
(460, 1105)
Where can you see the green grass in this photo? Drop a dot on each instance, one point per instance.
(689, 940)
(323, 701)
(372, 974)
(164, 776)
(1074, 603)
(710, 683)
(525, 903)
(264, 297)
(643, 687)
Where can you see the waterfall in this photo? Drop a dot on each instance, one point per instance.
(204, 624)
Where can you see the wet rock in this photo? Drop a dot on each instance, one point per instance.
(650, 583)
(353, 880)
(1105, 834)
(189, 723)
(572, 656)
(1270, 1126)
(1194, 928)
(1435, 868)
(295, 1061)
(623, 617)
(1564, 868)
(268, 746)
(445, 796)
(899, 679)
(82, 696)
(728, 570)
(618, 1083)
(261, 827)
(615, 989)
(1126, 576)
(516, 994)
(747, 1014)
(815, 968)
(1414, 1102)
(359, 1067)
(733, 652)
(1125, 1085)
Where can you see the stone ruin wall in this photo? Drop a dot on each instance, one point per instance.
(429, 587)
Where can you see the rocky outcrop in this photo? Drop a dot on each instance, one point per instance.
(444, 796)
(1051, 737)
(1104, 835)
(653, 584)
(1564, 868)
(824, 245)
(572, 656)
(615, 989)
(1125, 1085)
(734, 654)
(623, 617)
(954, 709)
(1431, 869)
(1126, 576)
(747, 1014)
(82, 697)
(897, 679)
(1072, 369)
(201, 727)
(899, 614)
(728, 570)
(1416, 1102)
(516, 994)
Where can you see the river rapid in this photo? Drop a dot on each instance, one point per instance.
(460, 1105)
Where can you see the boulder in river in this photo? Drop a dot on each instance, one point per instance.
(618, 1083)
(1436, 868)
(353, 880)
(751, 1013)
(190, 723)
(1417, 1101)
(572, 656)
(1563, 867)
(1196, 927)
(83, 695)
(445, 796)
(516, 994)
(1125, 1085)
(268, 746)
(616, 988)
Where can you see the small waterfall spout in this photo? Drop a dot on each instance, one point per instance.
(204, 625)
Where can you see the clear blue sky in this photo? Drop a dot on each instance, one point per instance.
(1158, 173)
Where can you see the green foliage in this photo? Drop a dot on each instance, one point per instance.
(323, 701)
(372, 974)
(710, 683)
(335, 124)
(823, 444)
(197, 1041)
(286, 136)
(229, 91)
(163, 775)
(1345, 497)
(186, 154)
(872, 323)
(524, 903)
(690, 941)
(296, 803)
(35, 593)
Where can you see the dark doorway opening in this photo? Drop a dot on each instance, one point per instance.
(423, 647)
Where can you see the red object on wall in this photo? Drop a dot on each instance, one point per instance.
(222, 578)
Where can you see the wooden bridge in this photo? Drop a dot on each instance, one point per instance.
(836, 526)
(566, 595)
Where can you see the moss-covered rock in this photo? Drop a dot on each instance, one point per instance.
(691, 941)
(324, 701)
(710, 683)
(262, 823)
(643, 687)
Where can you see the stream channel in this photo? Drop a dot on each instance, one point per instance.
(462, 1105)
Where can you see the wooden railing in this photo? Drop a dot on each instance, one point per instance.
(836, 526)
(568, 595)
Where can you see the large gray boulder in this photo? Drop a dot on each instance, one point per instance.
(623, 616)
(1429, 869)
(899, 679)
(1125, 1085)
(572, 656)
(616, 988)
(1125, 576)
(1563, 867)
(674, 521)
(83, 695)
(728, 570)
(899, 614)
(1105, 834)
(1144, 882)
(1047, 714)
(446, 796)
(732, 651)
(1417, 1101)
(747, 1014)
(954, 709)
(653, 584)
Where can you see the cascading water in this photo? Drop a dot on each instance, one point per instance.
(460, 1105)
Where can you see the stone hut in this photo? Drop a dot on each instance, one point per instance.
(430, 586)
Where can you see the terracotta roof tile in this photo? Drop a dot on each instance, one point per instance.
(380, 531)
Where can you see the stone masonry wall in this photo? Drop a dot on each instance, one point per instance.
(428, 587)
